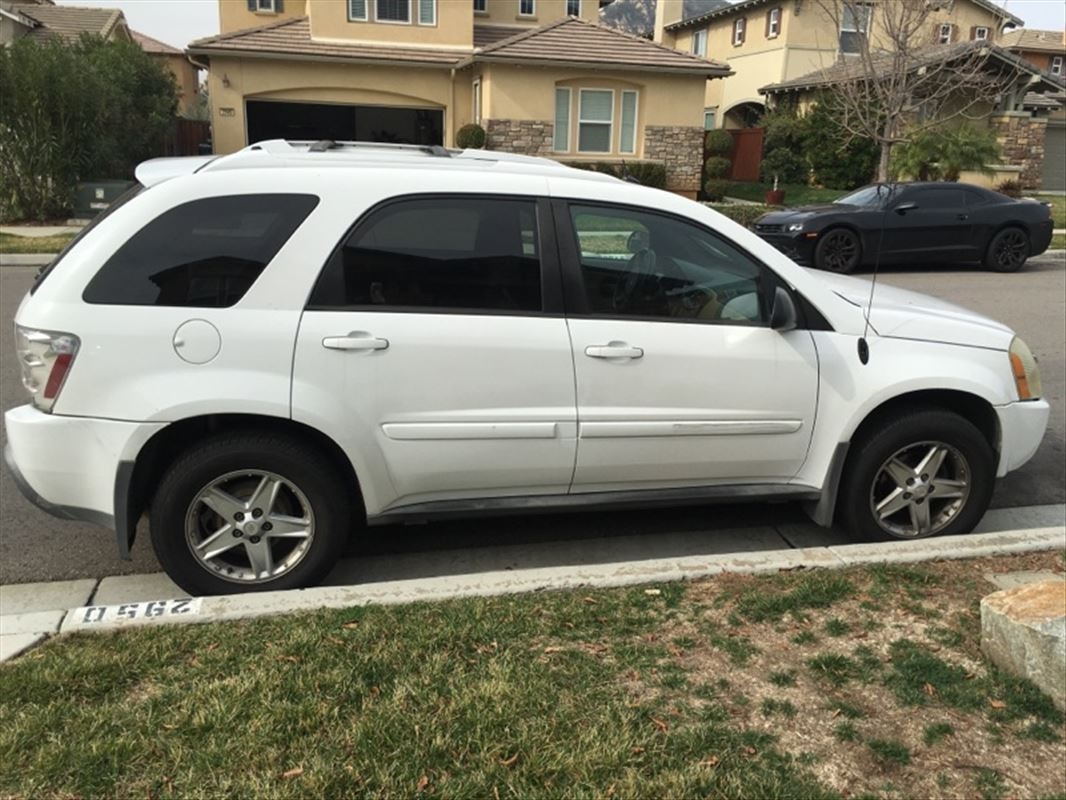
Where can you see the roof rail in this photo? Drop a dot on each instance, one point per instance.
(325, 145)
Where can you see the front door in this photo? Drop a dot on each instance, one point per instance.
(428, 351)
(680, 379)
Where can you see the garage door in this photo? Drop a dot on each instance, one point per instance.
(315, 121)
(1053, 173)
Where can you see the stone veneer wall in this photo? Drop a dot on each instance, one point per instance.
(531, 137)
(681, 149)
(1021, 140)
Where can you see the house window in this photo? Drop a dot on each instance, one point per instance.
(573, 8)
(738, 31)
(773, 23)
(699, 43)
(393, 10)
(527, 8)
(477, 101)
(628, 136)
(561, 137)
(265, 5)
(708, 119)
(943, 33)
(595, 121)
(357, 10)
(854, 25)
(980, 34)
(427, 12)
(481, 7)
(1056, 65)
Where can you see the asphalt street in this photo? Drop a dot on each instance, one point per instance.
(37, 547)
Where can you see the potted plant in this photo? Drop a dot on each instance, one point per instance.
(775, 196)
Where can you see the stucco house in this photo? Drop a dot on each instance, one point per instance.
(43, 19)
(186, 76)
(540, 76)
(1046, 50)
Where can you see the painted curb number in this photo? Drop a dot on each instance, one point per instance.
(139, 612)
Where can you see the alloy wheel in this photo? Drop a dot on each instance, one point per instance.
(840, 251)
(250, 526)
(1011, 250)
(920, 489)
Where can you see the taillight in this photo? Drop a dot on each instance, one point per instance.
(45, 358)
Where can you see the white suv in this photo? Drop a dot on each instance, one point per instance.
(266, 351)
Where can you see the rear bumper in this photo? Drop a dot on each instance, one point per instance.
(1022, 426)
(74, 468)
(1040, 237)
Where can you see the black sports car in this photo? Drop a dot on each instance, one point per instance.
(911, 222)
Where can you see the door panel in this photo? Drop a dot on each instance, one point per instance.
(680, 381)
(940, 227)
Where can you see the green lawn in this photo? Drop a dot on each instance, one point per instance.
(1058, 208)
(10, 243)
(799, 685)
(1058, 241)
(795, 194)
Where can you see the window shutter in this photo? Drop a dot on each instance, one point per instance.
(252, 5)
(743, 29)
(954, 33)
(936, 33)
(279, 5)
(766, 32)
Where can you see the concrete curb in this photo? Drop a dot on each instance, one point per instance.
(20, 631)
(26, 259)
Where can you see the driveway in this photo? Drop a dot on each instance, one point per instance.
(36, 547)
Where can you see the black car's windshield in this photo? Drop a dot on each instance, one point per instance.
(867, 196)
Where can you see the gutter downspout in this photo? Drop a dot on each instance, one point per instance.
(451, 112)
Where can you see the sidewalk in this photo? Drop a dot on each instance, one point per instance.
(32, 612)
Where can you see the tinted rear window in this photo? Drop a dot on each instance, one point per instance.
(204, 254)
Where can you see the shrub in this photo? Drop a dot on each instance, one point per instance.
(717, 167)
(741, 213)
(470, 136)
(783, 164)
(646, 173)
(838, 159)
(942, 153)
(714, 190)
(718, 143)
(1011, 188)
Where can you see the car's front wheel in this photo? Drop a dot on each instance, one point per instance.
(839, 250)
(1008, 250)
(922, 473)
(249, 512)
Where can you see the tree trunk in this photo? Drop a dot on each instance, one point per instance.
(882, 165)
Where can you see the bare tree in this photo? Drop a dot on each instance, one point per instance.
(896, 77)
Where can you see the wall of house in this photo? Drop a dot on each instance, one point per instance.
(233, 15)
(964, 15)
(454, 28)
(186, 78)
(1022, 140)
(233, 80)
(505, 12)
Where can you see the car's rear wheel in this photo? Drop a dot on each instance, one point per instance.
(839, 250)
(1008, 250)
(922, 473)
(248, 512)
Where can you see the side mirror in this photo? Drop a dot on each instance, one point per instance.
(903, 208)
(783, 317)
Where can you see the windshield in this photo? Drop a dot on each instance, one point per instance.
(868, 196)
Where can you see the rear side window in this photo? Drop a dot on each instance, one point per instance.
(941, 198)
(436, 254)
(203, 254)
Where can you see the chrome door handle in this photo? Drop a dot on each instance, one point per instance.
(356, 340)
(963, 216)
(613, 350)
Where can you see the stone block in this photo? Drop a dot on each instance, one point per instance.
(1023, 631)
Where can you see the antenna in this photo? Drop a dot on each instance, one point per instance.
(863, 345)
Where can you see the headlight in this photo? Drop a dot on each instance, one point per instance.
(795, 227)
(1026, 371)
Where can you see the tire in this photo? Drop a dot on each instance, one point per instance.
(838, 250)
(273, 505)
(1008, 250)
(879, 499)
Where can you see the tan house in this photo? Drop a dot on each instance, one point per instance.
(1046, 50)
(540, 76)
(773, 41)
(186, 76)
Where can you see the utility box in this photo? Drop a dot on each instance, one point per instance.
(95, 196)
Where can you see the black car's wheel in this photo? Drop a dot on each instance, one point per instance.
(247, 512)
(922, 473)
(838, 250)
(1008, 250)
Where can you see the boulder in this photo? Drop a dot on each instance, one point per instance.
(1023, 631)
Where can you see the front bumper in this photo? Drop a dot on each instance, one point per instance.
(796, 246)
(70, 466)
(1022, 426)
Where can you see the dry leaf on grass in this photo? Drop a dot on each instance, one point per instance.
(929, 689)
(509, 762)
(997, 704)
(636, 750)
(710, 761)
(550, 650)
(350, 625)
(423, 782)
(590, 600)
(658, 723)
(295, 772)
(653, 592)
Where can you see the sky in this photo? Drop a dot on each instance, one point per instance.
(178, 22)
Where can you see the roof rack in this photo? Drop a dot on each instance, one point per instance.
(325, 145)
